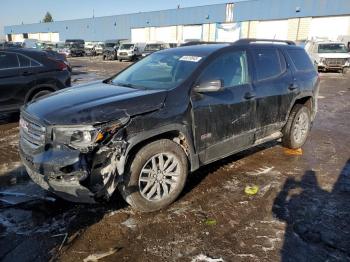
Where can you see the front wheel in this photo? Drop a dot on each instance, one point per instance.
(297, 128)
(156, 176)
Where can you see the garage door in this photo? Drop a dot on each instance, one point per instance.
(192, 32)
(273, 29)
(55, 37)
(139, 35)
(166, 34)
(228, 32)
(329, 27)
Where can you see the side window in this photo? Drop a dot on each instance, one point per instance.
(268, 63)
(231, 68)
(23, 61)
(8, 60)
(300, 59)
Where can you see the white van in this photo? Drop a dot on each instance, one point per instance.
(130, 51)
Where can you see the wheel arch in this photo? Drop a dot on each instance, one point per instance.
(307, 100)
(177, 133)
(39, 88)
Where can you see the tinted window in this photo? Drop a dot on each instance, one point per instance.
(230, 67)
(23, 61)
(300, 59)
(268, 63)
(8, 60)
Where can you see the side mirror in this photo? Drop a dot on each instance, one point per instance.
(209, 86)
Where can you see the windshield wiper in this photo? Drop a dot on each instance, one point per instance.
(126, 85)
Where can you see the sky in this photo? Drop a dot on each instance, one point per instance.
(32, 11)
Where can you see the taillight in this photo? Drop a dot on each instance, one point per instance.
(61, 65)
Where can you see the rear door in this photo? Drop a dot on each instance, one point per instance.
(274, 87)
(9, 81)
(16, 79)
(224, 120)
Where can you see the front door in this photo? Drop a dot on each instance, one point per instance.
(223, 121)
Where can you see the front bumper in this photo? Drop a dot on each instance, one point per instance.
(126, 57)
(46, 170)
(72, 175)
(325, 66)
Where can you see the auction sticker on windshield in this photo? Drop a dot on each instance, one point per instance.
(190, 58)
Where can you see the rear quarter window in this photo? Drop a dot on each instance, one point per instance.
(301, 60)
(8, 60)
(269, 63)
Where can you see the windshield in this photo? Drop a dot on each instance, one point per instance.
(158, 71)
(127, 46)
(110, 44)
(332, 48)
(153, 47)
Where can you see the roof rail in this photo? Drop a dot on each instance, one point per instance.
(256, 40)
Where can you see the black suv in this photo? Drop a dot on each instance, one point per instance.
(26, 74)
(146, 128)
(110, 49)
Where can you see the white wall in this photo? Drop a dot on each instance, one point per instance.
(192, 32)
(273, 29)
(228, 32)
(329, 27)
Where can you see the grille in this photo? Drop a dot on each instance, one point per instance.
(31, 132)
(123, 53)
(336, 61)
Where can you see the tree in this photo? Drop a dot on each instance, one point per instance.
(47, 18)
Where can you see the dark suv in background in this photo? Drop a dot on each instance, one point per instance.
(75, 46)
(26, 74)
(172, 112)
(110, 49)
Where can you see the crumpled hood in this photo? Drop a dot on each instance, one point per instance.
(334, 55)
(94, 103)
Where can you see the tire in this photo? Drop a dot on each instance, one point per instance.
(120, 60)
(40, 94)
(137, 192)
(297, 128)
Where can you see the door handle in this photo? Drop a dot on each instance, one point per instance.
(25, 73)
(293, 86)
(249, 95)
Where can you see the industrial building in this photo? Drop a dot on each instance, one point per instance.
(287, 19)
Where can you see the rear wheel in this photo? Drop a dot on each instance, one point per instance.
(40, 94)
(297, 128)
(156, 176)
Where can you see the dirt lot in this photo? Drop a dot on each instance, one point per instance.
(300, 213)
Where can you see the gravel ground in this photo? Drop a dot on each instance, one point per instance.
(300, 213)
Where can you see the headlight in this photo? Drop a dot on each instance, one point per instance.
(79, 137)
(84, 138)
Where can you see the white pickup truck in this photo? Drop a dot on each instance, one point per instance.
(328, 55)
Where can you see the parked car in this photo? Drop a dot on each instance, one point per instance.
(154, 47)
(130, 51)
(99, 48)
(27, 74)
(30, 43)
(328, 55)
(111, 48)
(75, 47)
(165, 116)
(90, 48)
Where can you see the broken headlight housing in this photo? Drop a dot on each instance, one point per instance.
(84, 138)
(78, 137)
